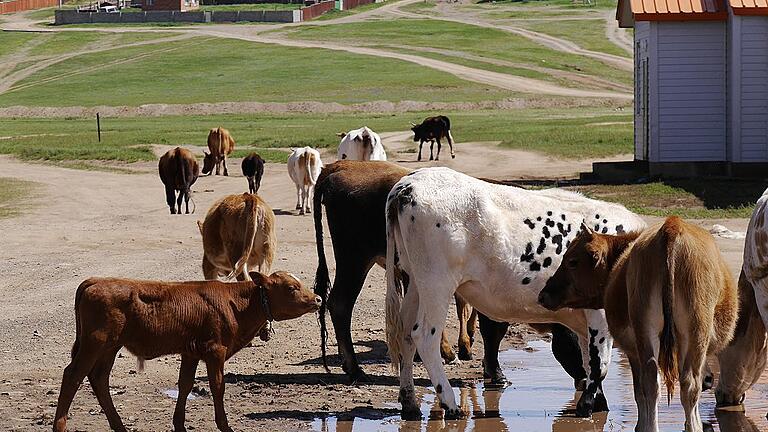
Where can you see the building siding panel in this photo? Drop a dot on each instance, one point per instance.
(753, 73)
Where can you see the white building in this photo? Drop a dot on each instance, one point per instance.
(701, 85)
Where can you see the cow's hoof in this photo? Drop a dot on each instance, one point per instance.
(584, 409)
(411, 413)
(601, 404)
(453, 156)
(309, 211)
(464, 354)
(452, 414)
(707, 383)
(496, 377)
(580, 384)
(358, 376)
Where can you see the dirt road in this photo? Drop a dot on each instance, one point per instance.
(86, 223)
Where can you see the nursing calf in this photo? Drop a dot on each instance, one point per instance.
(495, 246)
(208, 321)
(669, 299)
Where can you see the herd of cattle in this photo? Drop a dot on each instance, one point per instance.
(588, 271)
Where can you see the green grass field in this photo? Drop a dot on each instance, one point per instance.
(213, 70)
(14, 196)
(129, 139)
(588, 34)
(10, 42)
(476, 40)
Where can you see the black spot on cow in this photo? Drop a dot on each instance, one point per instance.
(604, 230)
(550, 223)
(568, 229)
(545, 231)
(413, 218)
(619, 229)
(528, 255)
(547, 262)
(561, 228)
(406, 281)
(405, 197)
(549, 213)
(530, 224)
(538, 218)
(605, 221)
(432, 331)
(567, 244)
(526, 280)
(415, 326)
(597, 216)
(439, 388)
(602, 339)
(597, 227)
(413, 203)
(542, 246)
(535, 266)
(562, 216)
(558, 240)
(437, 224)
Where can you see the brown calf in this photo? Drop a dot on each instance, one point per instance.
(178, 171)
(669, 299)
(220, 144)
(238, 235)
(208, 321)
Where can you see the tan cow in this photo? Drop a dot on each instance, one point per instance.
(669, 299)
(238, 235)
(221, 144)
(208, 321)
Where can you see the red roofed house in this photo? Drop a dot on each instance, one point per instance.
(701, 85)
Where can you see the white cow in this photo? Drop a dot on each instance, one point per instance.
(496, 246)
(361, 144)
(304, 166)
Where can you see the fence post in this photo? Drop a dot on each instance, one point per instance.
(98, 125)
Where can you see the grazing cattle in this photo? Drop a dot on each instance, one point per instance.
(304, 167)
(744, 360)
(220, 145)
(253, 170)
(669, 299)
(361, 144)
(433, 129)
(178, 172)
(496, 246)
(208, 321)
(238, 235)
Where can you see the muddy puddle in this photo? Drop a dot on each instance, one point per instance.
(541, 398)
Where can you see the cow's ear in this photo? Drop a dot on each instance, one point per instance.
(587, 230)
(205, 153)
(259, 279)
(341, 134)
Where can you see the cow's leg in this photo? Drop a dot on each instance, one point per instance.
(308, 199)
(186, 200)
(421, 144)
(298, 196)
(170, 198)
(450, 143)
(99, 379)
(251, 187)
(74, 374)
(179, 199)
(224, 162)
(567, 352)
(350, 276)
(215, 365)
(407, 396)
(210, 272)
(596, 353)
(493, 333)
(218, 166)
(464, 311)
(446, 350)
(431, 149)
(425, 333)
(186, 381)
(257, 183)
(302, 199)
(439, 146)
(637, 387)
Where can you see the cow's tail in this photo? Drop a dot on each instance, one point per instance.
(394, 288)
(322, 280)
(311, 161)
(78, 326)
(667, 347)
(250, 222)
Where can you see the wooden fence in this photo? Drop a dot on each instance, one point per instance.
(23, 5)
(351, 4)
(317, 9)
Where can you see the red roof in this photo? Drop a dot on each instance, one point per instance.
(679, 10)
(749, 7)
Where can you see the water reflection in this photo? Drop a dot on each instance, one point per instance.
(541, 399)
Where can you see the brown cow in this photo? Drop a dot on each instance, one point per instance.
(208, 321)
(178, 172)
(238, 234)
(221, 144)
(669, 299)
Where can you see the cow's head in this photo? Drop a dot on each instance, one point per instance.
(288, 298)
(416, 128)
(207, 162)
(580, 280)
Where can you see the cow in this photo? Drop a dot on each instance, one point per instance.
(238, 235)
(669, 300)
(433, 129)
(209, 321)
(253, 170)
(304, 167)
(361, 188)
(220, 145)
(743, 361)
(178, 171)
(496, 246)
(361, 144)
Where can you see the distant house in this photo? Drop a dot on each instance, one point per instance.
(701, 85)
(169, 5)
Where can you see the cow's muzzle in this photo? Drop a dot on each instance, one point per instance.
(548, 301)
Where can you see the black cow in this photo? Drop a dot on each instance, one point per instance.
(433, 129)
(178, 171)
(253, 170)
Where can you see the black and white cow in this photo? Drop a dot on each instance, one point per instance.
(496, 246)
